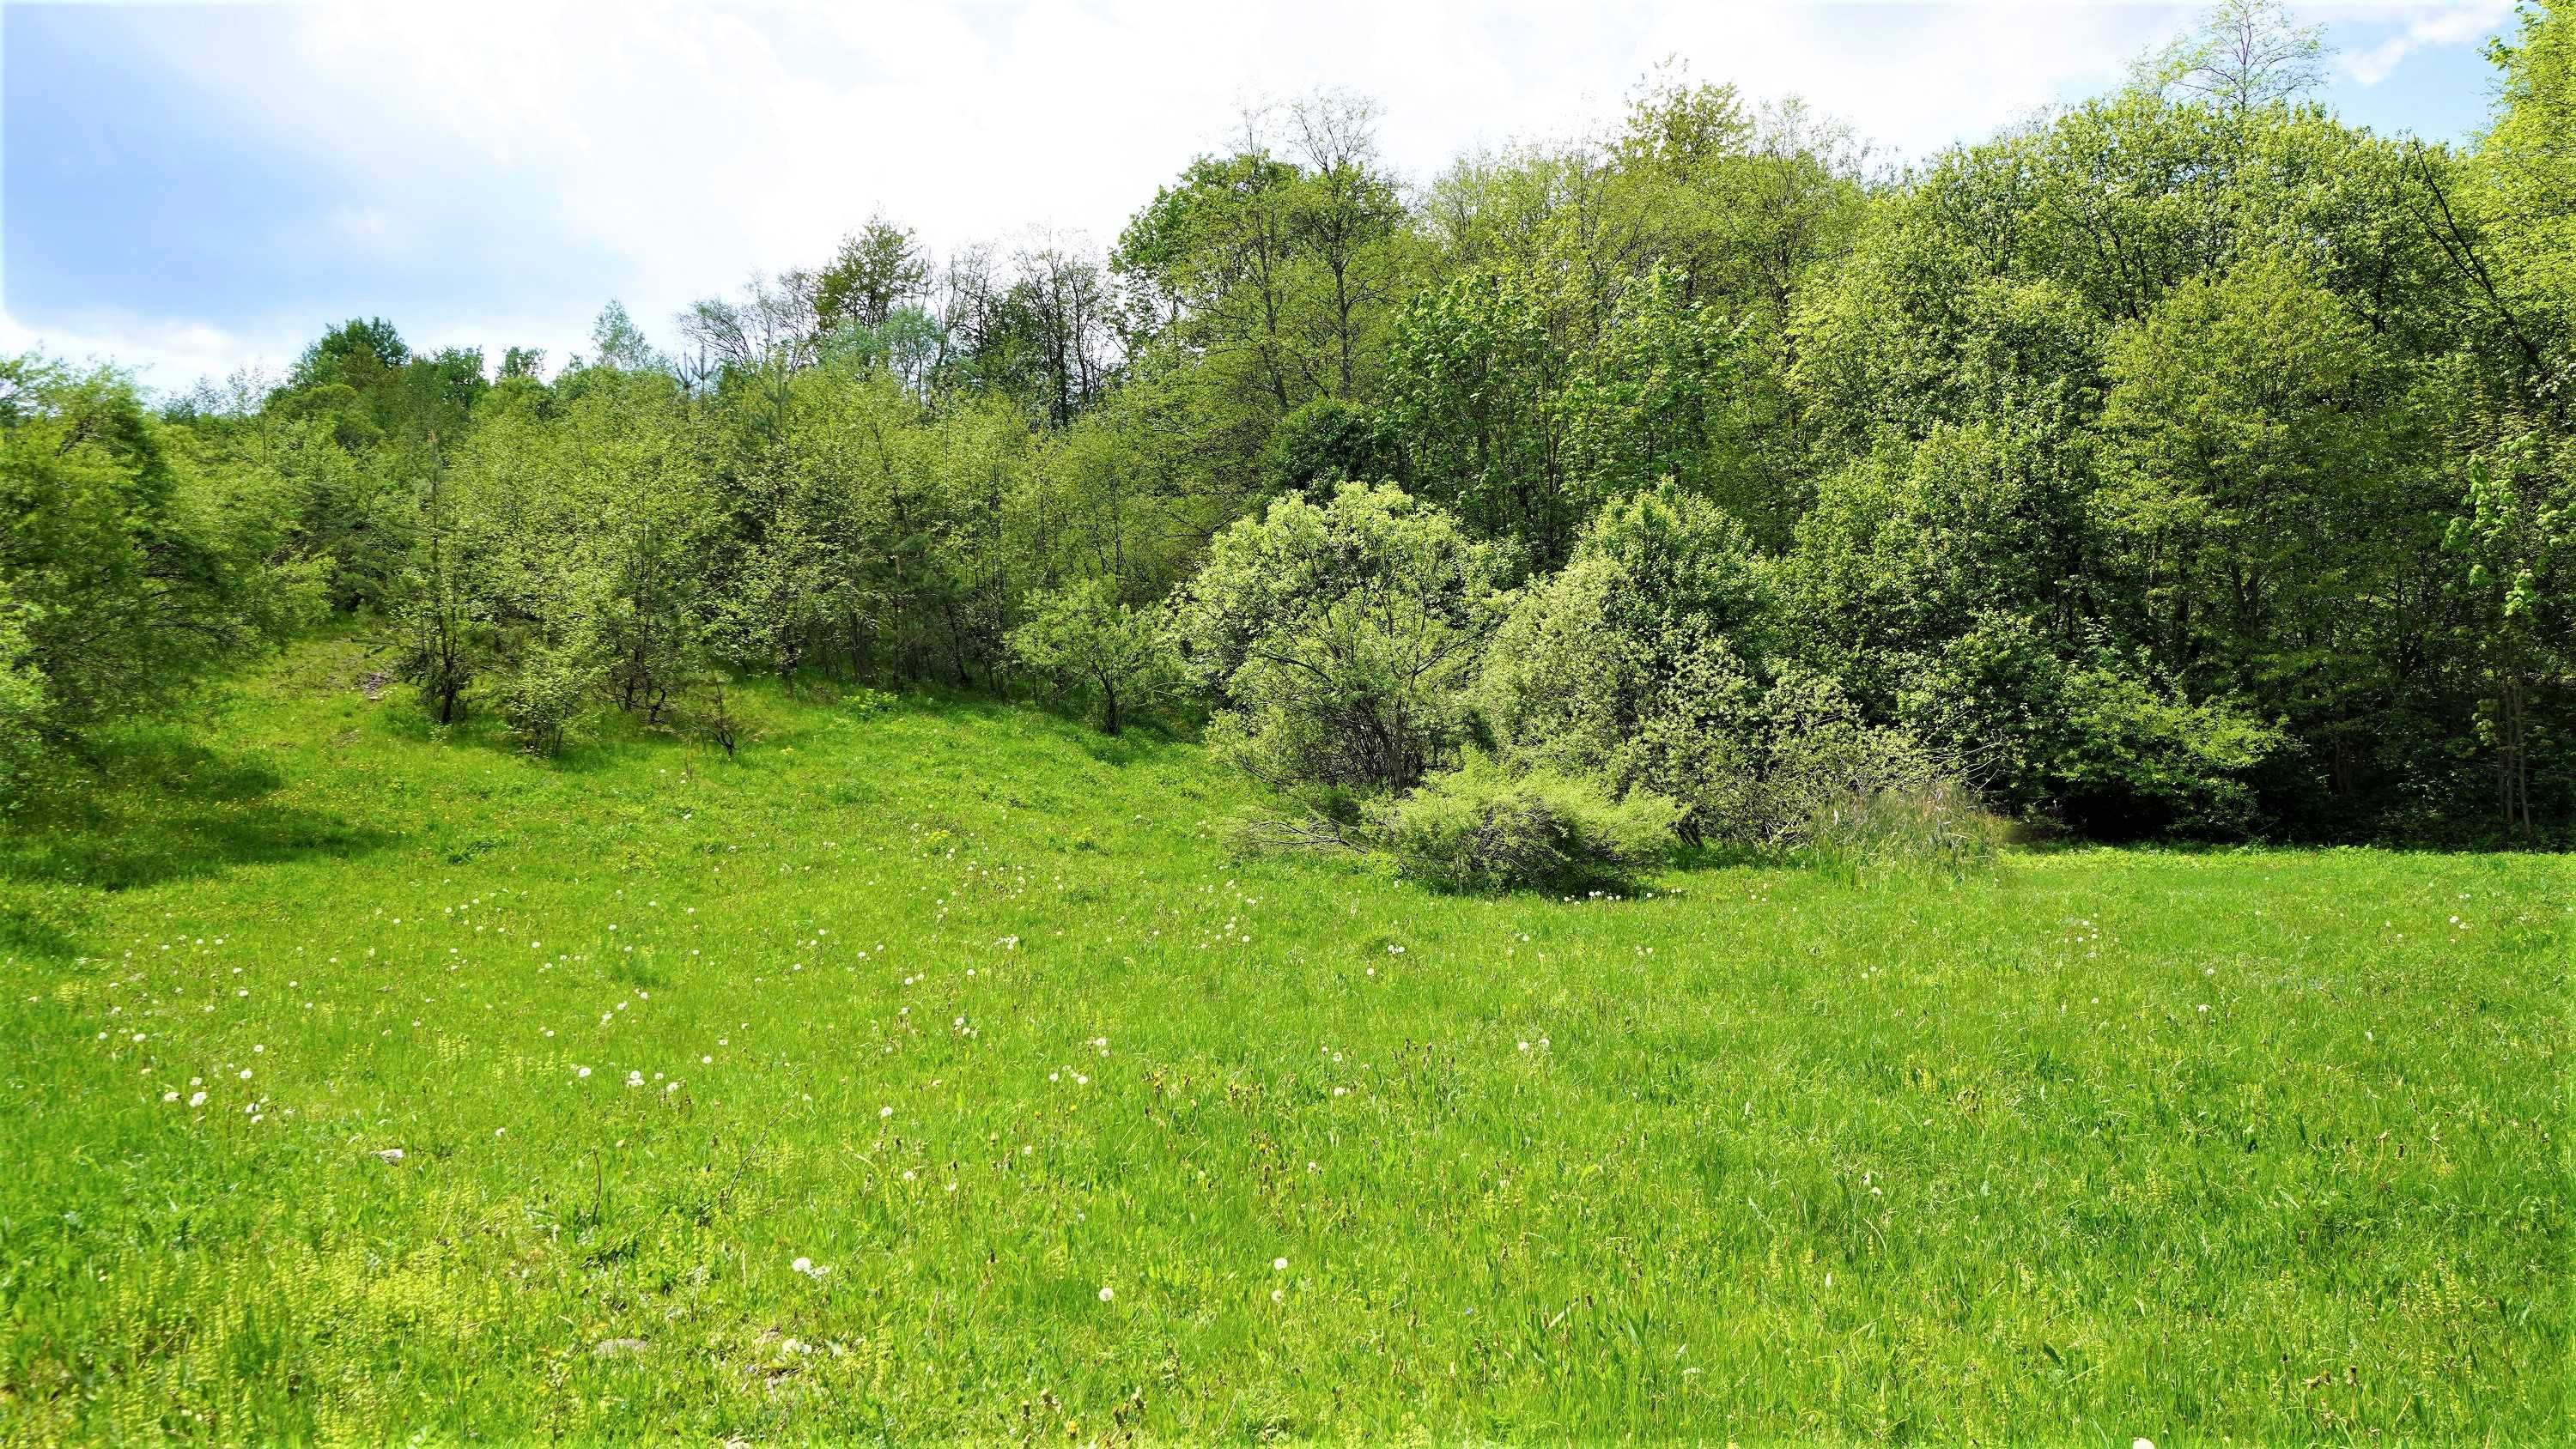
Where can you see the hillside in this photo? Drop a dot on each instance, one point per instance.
(932, 1071)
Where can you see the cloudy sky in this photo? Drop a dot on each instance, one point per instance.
(190, 188)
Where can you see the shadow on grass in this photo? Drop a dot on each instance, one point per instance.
(783, 723)
(24, 934)
(1073, 718)
(150, 806)
(1137, 743)
(602, 740)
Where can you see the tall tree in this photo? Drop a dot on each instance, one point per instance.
(2243, 55)
(878, 268)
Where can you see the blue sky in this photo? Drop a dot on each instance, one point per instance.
(187, 189)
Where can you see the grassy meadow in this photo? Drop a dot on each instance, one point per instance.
(932, 1072)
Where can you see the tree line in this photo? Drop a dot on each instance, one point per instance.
(2185, 462)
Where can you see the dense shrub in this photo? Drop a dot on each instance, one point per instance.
(1643, 663)
(1660, 577)
(1483, 826)
(22, 695)
(1597, 669)
(1940, 827)
(1760, 762)
(545, 690)
(2090, 738)
(1082, 637)
(129, 565)
(1327, 442)
(1340, 638)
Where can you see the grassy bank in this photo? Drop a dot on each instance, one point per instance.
(930, 1071)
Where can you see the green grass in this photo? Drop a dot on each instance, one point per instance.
(2097, 1144)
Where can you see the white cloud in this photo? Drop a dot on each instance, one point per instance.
(165, 353)
(700, 145)
(171, 354)
(2461, 23)
(688, 146)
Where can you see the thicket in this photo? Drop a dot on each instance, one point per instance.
(2187, 462)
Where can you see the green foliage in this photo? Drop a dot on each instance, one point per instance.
(1482, 827)
(24, 703)
(2518, 539)
(2227, 447)
(2520, 543)
(128, 566)
(2523, 192)
(1588, 656)
(1327, 442)
(1921, 579)
(1340, 638)
(1767, 760)
(1937, 828)
(2244, 54)
(2090, 737)
(878, 269)
(618, 344)
(444, 622)
(2248, 446)
(1525, 437)
(1275, 267)
(544, 685)
(559, 558)
(1906, 545)
(1473, 379)
(1642, 405)
(1082, 636)
(350, 353)
(1648, 662)
(2510, 225)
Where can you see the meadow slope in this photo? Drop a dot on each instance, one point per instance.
(932, 1072)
